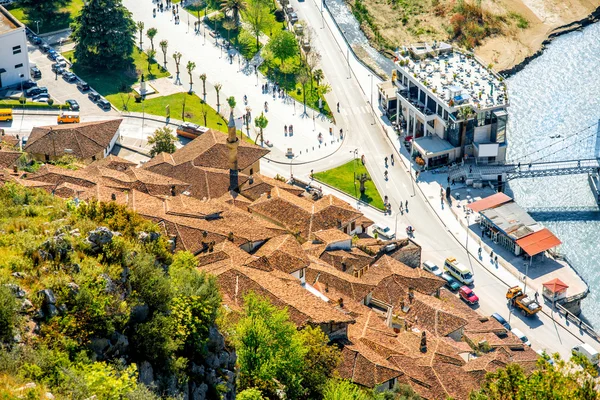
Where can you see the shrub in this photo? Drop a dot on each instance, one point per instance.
(8, 313)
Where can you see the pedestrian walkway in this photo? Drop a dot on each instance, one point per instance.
(310, 140)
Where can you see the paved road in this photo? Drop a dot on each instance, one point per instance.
(437, 240)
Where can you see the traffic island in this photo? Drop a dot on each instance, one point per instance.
(348, 178)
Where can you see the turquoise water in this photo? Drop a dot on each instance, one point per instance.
(559, 94)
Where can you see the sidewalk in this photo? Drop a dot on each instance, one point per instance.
(238, 79)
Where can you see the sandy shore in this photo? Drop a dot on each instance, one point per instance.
(545, 18)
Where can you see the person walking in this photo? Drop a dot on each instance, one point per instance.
(338, 107)
(285, 130)
(406, 206)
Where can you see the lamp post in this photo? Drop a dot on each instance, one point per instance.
(322, 16)
(527, 265)
(291, 164)
(37, 23)
(412, 147)
(372, 105)
(396, 224)
(355, 151)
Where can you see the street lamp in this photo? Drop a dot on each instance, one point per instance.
(355, 151)
(527, 265)
(291, 164)
(322, 16)
(38, 26)
(396, 224)
(372, 105)
(412, 148)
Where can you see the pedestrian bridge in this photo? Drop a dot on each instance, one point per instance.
(551, 168)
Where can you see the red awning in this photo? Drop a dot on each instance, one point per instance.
(555, 285)
(538, 242)
(489, 202)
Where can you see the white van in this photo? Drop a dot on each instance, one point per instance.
(458, 271)
(431, 267)
(521, 336)
(587, 351)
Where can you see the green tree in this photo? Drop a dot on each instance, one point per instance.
(151, 33)
(8, 313)
(261, 123)
(283, 45)
(320, 361)
(42, 10)
(162, 141)
(164, 44)
(303, 80)
(319, 76)
(250, 394)
(203, 79)
(104, 34)
(257, 16)
(561, 380)
(268, 348)
(231, 102)
(150, 54)
(191, 66)
(140, 27)
(343, 390)
(235, 7)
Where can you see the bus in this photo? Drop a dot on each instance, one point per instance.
(190, 130)
(68, 117)
(6, 114)
(458, 271)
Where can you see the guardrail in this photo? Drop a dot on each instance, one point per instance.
(569, 316)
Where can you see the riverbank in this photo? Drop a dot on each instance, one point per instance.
(511, 54)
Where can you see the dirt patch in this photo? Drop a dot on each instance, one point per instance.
(503, 32)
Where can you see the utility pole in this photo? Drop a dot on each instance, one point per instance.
(322, 16)
(372, 105)
(412, 147)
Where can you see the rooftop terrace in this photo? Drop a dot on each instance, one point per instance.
(453, 77)
(7, 21)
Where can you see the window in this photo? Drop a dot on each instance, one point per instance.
(18, 66)
(16, 49)
(251, 171)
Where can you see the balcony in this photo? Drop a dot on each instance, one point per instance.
(417, 106)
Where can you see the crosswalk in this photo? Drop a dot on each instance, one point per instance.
(357, 110)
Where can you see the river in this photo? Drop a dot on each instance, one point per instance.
(559, 94)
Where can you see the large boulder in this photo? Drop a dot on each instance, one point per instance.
(146, 373)
(199, 391)
(139, 314)
(47, 296)
(99, 346)
(216, 341)
(100, 236)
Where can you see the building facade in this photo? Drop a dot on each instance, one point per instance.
(14, 61)
(450, 105)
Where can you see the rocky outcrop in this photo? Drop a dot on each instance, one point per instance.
(100, 237)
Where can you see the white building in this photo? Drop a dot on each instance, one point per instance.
(434, 83)
(14, 61)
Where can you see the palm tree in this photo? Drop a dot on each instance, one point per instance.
(177, 58)
(319, 76)
(261, 123)
(140, 27)
(465, 113)
(203, 79)
(191, 66)
(150, 54)
(218, 87)
(235, 7)
(151, 33)
(163, 46)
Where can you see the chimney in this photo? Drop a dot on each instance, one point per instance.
(269, 194)
(113, 197)
(423, 342)
(341, 302)
(173, 191)
(233, 144)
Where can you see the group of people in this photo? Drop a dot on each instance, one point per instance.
(289, 130)
(275, 89)
(169, 4)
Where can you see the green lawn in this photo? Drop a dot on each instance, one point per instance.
(115, 85)
(342, 178)
(241, 37)
(48, 23)
(193, 109)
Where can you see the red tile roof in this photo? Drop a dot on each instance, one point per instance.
(538, 242)
(556, 285)
(489, 202)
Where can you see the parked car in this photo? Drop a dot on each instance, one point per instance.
(93, 96)
(41, 100)
(73, 104)
(104, 104)
(451, 283)
(29, 84)
(42, 94)
(61, 63)
(383, 231)
(83, 86)
(36, 40)
(52, 55)
(56, 67)
(34, 91)
(35, 72)
(45, 48)
(69, 76)
(293, 17)
(502, 321)
(468, 295)
(521, 336)
(431, 267)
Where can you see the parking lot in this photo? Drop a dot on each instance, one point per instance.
(61, 90)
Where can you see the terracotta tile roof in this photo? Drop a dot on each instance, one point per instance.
(332, 235)
(347, 260)
(304, 308)
(187, 206)
(113, 162)
(284, 253)
(234, 199)
(365, 367)
(85, 140)
(331, 212)
(210, 150)
(291, 212)
(9, 141)
(56, 175)
(138, 179)
(421, 280)
(332, 278)
(8, 158)
(263, 184)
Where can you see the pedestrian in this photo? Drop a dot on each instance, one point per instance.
(392, 158)
(536, 296)
(341, 132)
(285, 130)
(177, 5)
(496, 259)
(406, 206)
(448, 180)
(330, 130)
(338, 107)
(479, 252)
(492, 254)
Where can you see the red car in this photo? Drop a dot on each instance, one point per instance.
(468, 295)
